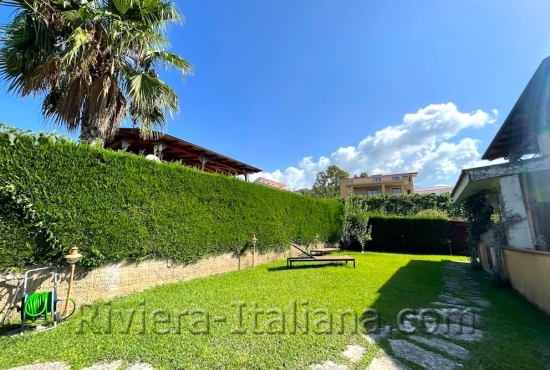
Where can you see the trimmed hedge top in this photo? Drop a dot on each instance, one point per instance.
(115, 205)
(411, 205)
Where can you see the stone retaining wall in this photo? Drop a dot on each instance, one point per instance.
(119, 279)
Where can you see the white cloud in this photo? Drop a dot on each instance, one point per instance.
(420, 143)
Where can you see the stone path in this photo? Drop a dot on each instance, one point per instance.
(459, 308)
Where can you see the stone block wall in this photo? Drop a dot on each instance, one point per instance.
(122, 278)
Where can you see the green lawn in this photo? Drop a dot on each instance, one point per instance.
(235, 320)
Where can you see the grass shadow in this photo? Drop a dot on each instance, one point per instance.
(516, 334)
(306, 266)
(413, 286)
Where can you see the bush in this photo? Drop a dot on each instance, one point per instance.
(116, 205)
(355, 225)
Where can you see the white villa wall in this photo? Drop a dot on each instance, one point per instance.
(519, 234)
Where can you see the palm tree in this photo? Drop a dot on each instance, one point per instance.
(94, 62)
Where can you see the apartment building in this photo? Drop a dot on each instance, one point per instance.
(398, 183)
(270, 183)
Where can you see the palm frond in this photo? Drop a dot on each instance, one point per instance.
(169, 60)
(75, 45)
(122, 6)
(151, 100)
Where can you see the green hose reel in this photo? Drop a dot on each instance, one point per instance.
(39, 305)
(43, 305)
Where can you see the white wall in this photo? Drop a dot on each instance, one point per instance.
(518, 235)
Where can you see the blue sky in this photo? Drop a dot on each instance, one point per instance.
(387, 86)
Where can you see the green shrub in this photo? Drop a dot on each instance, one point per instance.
(355, 225)
(116, 205)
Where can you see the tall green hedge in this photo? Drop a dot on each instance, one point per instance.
(416, 235)
(18, 244)
(115, 205)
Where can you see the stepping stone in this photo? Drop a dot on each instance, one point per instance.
(329, 365)
(451, 348)
(427, 318)
(468, 295)
(420, 356)
(482, 302)
(407, 327)
(459, 332)
(454, 272)
(144, 366)
(105, 366)
(475, 309)
(43, 366)
(456, 280)
(383, 361)
(472, 292)
(455, 267)
(451, 299)
(354, 352)
(451, 279)
(456, 313)
(453, 287)
(376, 337)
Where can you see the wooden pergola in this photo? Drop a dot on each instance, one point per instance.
(170, 148)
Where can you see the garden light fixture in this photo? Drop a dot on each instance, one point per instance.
(72, 258)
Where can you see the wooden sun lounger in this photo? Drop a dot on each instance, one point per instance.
(307, 257)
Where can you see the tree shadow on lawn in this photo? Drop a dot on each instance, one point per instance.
(413, 286)
(516, 334)
(410, 289)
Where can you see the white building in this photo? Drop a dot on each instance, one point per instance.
(438, 190)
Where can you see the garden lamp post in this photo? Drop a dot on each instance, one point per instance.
(72, 258)
(254, 240)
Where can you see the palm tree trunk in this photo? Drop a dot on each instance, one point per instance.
(89, 132)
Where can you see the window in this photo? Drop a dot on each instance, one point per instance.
(377, 179)
(372, 192)
(396, 191)
(395, 178)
